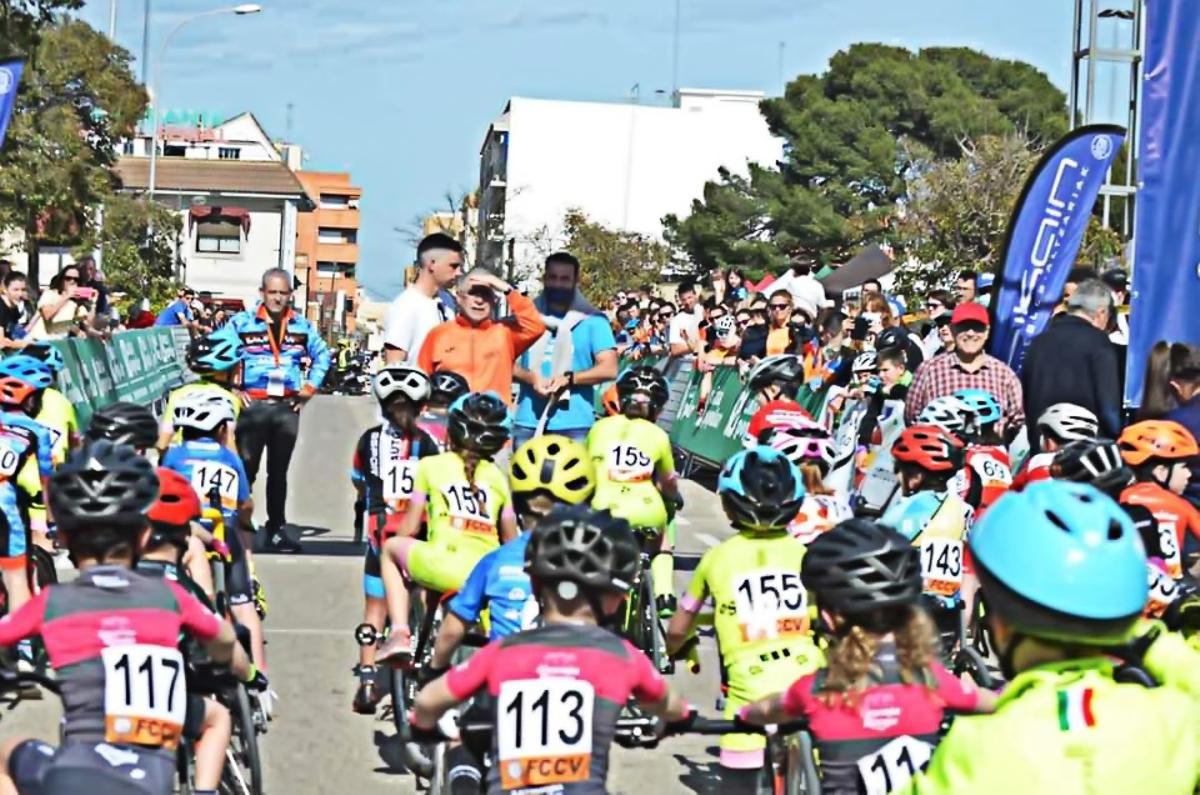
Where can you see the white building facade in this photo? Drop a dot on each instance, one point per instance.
(624, 165)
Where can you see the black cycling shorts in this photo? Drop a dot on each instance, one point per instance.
(38, 768)
(193, 721)
(237, 573)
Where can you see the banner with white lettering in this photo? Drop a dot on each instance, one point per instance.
(10, 80)
(1044, 234)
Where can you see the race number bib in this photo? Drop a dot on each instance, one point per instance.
(212, 476)
(893, 765)
(277, 382)
(145, 695)
(469, 508)
(1163, 590)
(628, 464)
(942, 565)
(993, 472)
(398, 479)
(544, 732)
(10, 460)
(1168, 542)
(771, 603)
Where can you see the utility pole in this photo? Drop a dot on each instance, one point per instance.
(146, 47)
(782, 80)
(290, 107)
(675, 56)
(112, 20)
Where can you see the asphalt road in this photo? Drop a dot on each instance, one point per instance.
(316, 744)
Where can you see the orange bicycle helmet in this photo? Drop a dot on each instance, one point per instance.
(930, 448)
(1150, 439)
(177, 503)
(13, 391)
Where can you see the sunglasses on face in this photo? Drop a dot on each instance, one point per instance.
(780, 307)
(936, 305)
(970, 327)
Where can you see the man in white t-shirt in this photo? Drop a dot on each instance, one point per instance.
(808, 294)
(418, 309)
(683, 335)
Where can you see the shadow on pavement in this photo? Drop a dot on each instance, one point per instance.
(702, 776)
(390, 753)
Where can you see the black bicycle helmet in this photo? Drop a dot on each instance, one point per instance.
(860, 567)
(479, 422)
(1094, 461)
(124, 423)
(103, 485)
(647, 381)
(447, 386)
(586, 546)
(892, 337)
(785, 369)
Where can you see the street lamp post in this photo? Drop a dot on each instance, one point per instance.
(241, 10)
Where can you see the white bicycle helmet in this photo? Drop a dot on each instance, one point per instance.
(408, 382)
(865, 362)
(1068, 422)
(724, 325)
(800, 445)
(202, 412)
(946, 412)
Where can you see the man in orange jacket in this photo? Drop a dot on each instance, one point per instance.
(475, 345)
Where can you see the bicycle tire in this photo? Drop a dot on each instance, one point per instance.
(42, 571)
(968, 660)
(245, 735)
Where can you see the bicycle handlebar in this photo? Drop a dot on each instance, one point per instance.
(13, 680)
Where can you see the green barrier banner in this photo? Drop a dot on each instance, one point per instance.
(716, 432)
(138, 366)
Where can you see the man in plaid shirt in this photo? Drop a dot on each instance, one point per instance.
(967, 367)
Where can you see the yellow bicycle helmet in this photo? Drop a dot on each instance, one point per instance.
(555, 466)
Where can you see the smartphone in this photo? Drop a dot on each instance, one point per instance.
(86, 293)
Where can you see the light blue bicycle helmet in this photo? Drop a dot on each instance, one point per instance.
(760, 489)
(983, 405)
(28, 370)
(45, 352)
(1062, 561)
(909, 516)
(214, 353)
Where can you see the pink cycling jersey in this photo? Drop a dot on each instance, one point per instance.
(846, 733)
(556, 693)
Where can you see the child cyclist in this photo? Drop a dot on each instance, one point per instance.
(775, 381)
(164, 555)
(114, 737)
(37, 378)
(933, 518)
(124, 423)
(213, 358)
(635, 469)
(1064, 576)
(55, 411)
(1058, 426)
(446, 386)
(466, 500)
(217, 475)
(762, 618)
(582, 563)
(882, 659)
(986, 456)
(1158, 452)
(385, 464)
(807, 444)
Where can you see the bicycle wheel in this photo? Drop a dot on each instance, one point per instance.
(41, 569)
(243, 770)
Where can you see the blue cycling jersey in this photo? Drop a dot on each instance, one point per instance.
(215, 472)
(499, 581)
(272, 367)
(21, 437)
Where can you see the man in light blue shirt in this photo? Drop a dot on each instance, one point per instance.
(576, 353)
(179, 311)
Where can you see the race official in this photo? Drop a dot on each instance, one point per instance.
(274, 388)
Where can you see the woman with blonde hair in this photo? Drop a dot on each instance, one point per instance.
(866, 580)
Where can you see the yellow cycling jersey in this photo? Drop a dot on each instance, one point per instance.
(628, 453)
(1069, 729)
(58, 414)
(754, 581)
(199, 387)
(454, 506)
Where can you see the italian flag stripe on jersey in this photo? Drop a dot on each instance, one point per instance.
(1075, 708)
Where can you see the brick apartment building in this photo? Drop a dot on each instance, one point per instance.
(327, 250)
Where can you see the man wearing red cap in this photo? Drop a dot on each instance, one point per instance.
(967, 367)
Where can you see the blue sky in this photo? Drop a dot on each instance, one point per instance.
(401, 92)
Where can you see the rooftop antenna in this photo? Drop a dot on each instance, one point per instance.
(290, 107)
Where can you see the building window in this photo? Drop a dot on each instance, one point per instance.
(218, 237)
(334, 201)
(127, 147)
(229, 153)
(170, 150)
(327, 234)
(330, 270)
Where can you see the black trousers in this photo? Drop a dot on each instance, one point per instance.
(270, 425)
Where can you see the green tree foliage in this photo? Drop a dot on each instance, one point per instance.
(957, 210)
(610, 260)
(853, 137)
(136, 263)
(78, 97)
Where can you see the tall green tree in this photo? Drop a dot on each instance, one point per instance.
(611, 260)
(77, 99)
(137, 262)
(853, 137)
